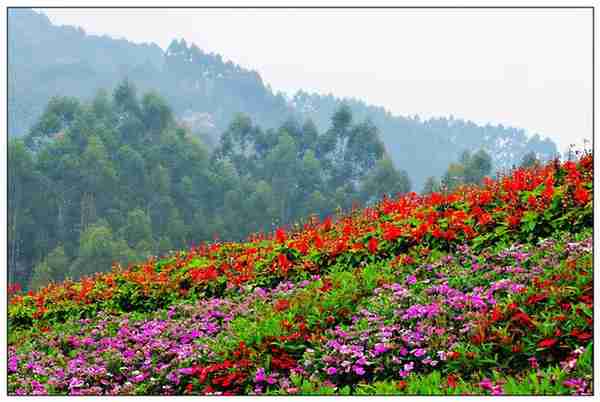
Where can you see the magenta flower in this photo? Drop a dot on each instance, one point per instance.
(331, 370)
(260, 375)
(380, 348)
(75, 383)
(13, 362)
(533, 362)
(138, 378)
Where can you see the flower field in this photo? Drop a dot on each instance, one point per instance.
(485, 291)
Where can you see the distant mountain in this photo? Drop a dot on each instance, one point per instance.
(206, 92)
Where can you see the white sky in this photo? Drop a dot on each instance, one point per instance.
(526, 68)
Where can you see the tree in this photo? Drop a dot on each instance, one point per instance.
(431, 185)
(96, 251)
(384, 180)
(478, 166)
(97, 175)
(454, 177)
(138, 228)
(156, 114)
(42, 276)
(529, 160)
(58, 262)
(281, 164)
(125, 98)
(23, 183)
(60, 113)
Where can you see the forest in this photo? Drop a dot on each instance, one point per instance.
(117, 179)
(206, 91)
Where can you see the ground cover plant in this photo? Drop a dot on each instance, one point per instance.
(486, 290)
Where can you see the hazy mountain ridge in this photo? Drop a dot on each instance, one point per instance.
(47, 60)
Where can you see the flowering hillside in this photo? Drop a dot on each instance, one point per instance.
(487, 290)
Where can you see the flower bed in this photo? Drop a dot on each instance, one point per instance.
(484, 291)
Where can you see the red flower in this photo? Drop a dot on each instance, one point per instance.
(581, 335)
(549, 190)
(358, 246)
(284, 263)
(282, 305)
(201, 275)
(535, 299)
(450, 235)
(496, 314)
(453, 355)
(420, 231)
(319, 243)
(523, 318)
(469, 232)
(581, 195)
(513, 220)
(435, 199)
(547, 343)
(451, 381)
(484, 219)
(327, 285)
(391, 232)
(280, 236)
(372, 245)
(301, 246)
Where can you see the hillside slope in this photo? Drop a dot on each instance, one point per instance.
(487, 290)
(206, 93)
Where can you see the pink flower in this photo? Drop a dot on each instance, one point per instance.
(533, 362)
(359, 370)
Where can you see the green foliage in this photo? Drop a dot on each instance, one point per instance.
(124, 181)
(529, 160)
(42, 275)
(471, 169)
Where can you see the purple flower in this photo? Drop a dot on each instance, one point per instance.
(419, 352)
(186, 371)
(359, 370)
(331, 370)
(75, 383)
(13, 362)
(380, 348)
(173, 377)
(411, 280)
(88, 341)
(486, 383)
(138, 378)
(260, 375)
